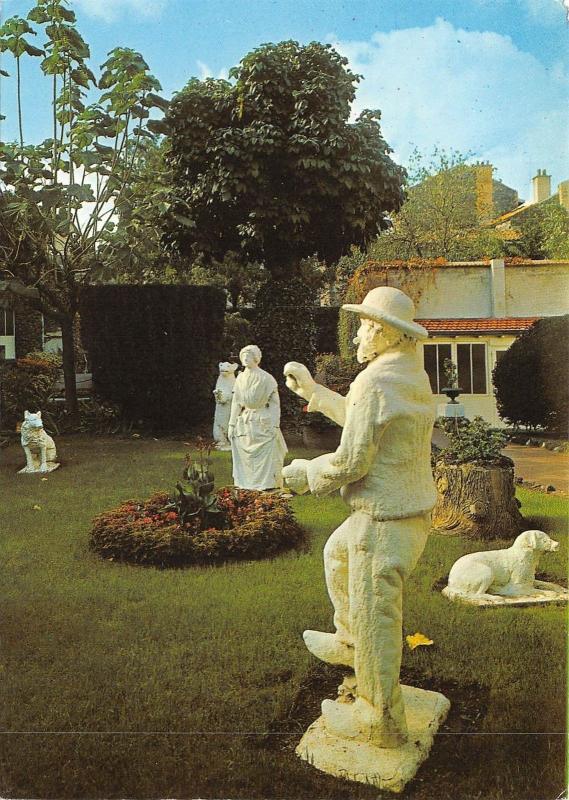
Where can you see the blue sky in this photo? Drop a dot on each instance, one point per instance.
(489, 77)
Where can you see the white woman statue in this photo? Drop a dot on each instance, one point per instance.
(223, 394)
(257, 444)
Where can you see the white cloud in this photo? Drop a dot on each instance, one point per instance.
(111, 10)
(205, 71)
(548, 12)
(465, 90)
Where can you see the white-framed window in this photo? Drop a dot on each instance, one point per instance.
(6, 322)
(434, 356)
(470, 359)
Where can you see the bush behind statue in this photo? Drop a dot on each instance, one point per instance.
(530, 380)
(28, 384)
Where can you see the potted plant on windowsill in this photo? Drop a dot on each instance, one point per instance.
(475, 483)
(453, 390)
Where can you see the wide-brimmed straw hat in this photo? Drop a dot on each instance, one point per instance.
(392, 306)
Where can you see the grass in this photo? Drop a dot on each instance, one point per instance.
(121, 681)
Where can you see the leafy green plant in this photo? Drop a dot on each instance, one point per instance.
(451, 373)
(196, 499)
(473, 441)
(28, 384)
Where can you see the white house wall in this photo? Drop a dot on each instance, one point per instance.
(537, 291)
(458, 292)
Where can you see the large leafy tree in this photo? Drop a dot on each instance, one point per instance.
(270, 166)
(59, 200)
(543, 232)
(441, 216)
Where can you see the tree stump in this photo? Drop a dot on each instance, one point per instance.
(476, 501)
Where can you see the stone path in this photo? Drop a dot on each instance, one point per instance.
(539, 465)
(534, 464)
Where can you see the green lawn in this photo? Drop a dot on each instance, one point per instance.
(122, 681)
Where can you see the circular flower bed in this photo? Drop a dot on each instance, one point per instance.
(256, 525)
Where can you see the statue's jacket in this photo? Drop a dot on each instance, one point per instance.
(382, 464)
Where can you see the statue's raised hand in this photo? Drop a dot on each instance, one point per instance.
(299, 380)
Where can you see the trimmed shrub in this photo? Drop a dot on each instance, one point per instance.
(28, 384)
(326, 320)
(285, 330)
(237, 333)
(258, 525)
(28, 328)
(530, 380)
(155, 349)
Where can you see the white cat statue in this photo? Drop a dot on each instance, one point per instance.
(38, 446)
(223, 394)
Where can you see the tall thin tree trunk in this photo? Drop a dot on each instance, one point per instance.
(68, 341)
(19, 92)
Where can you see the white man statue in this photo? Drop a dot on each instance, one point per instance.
(382, 467)
(223, 394)
(257, 444)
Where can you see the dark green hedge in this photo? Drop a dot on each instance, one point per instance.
(285, 329)
(327, 329)
(530, 380)
(155, 349)
(28, 329)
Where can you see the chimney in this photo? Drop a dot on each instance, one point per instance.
(540, 186)
(563, 190)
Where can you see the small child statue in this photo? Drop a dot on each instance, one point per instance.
(223, 394)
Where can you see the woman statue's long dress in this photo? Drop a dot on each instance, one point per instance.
(257, 444)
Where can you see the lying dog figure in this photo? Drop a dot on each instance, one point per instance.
(491, 574)
(38, 446)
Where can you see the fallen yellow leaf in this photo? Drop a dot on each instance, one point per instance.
(36, 508)
(417, 640)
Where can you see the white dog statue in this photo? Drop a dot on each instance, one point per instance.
(223, 394)
(494, 577)
(38, 446)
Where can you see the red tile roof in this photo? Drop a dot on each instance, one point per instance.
(486, 325)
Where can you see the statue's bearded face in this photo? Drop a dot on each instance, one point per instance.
(372, 339)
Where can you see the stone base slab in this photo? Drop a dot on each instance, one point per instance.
(545, 594)
(50, 468)
(386, 768)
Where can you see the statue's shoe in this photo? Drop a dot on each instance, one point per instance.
(359, 720)
(327, 647)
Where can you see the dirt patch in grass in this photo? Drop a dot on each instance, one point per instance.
(469, 706)
(464, 753)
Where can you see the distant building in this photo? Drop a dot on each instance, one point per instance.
(474, 311)
(508, 222)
